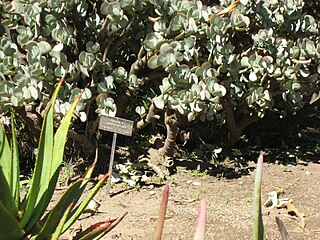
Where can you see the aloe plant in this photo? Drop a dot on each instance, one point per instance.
(162, 213)
(25, 218)
(201, 221)
(258, 229)
(283, 231)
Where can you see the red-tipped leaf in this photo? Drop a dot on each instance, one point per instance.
(201, 221)
(162, 214)
(283, 231)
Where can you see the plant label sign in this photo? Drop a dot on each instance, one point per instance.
(116, 125)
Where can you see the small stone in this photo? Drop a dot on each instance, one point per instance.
(152, 193)
(308, 173)
(92, 207)
(196, 184)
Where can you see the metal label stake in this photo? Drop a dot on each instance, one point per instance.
(115, 125)
(113, 149)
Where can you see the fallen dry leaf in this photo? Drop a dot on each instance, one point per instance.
(293, 210)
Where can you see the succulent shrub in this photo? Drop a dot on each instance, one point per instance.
(223, 63)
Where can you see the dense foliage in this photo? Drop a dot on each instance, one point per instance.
(224, 63)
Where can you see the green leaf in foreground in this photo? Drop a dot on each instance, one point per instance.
(258, 229)
(9, 181)
(74, 215)
(15, 166)
(9, 228)
(44, 170)
(59, 228)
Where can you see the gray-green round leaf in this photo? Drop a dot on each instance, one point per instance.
(83, 116)
(191, 116)
(159, 102)
(34, 92)
(253, 76)
(86, 94)
(296, 86)
(58, 47)
(44, 47)
(140, 110)
(153, 62)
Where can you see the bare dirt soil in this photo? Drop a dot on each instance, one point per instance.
(229, 200)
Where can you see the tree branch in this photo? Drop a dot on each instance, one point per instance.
(151, 117)
(33, 120)
(139, 63)
(124, 36)
(87, 146)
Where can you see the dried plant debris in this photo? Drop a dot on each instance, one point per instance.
(275, 201)
(292, 210)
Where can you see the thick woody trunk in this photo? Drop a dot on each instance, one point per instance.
(236, 124)
(171, 124)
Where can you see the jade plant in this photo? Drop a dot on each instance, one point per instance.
(26, 218)
(181, 64)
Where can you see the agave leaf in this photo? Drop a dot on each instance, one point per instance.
(282, 229)
(74, 215)
(58, 149)
(44, 171)
(258, 229)
(57, 233)
(5, 155)
(98, 230)
(10, 229)
(162, 213)
(71, 196)
(6, 166)
(57, 213)
(15, 166)
(112, 225)
(5, 197)
(201, 222)
(94, 231)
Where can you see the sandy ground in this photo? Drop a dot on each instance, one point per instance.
(229, 200)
